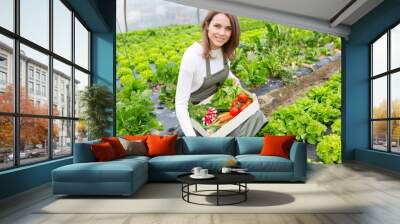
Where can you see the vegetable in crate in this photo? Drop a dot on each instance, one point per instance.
(210, 117)
(239, 104)
(224, 96)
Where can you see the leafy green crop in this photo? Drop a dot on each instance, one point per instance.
(329, 150)
(336, 127)
(134, 114)
(309, 117)
(222, 99)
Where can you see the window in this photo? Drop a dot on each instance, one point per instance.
(385, 97)
(3, 61)
(81, 45)
(30, 72)
(54, 126)
(43, 77)
(34, 21)
(37, 74)
(62, 29)
(38, 89)
(30, 87)
(6, 74)
(43, 90)
(7, 14)
(62, 74)
(3, 78)
(3, 72)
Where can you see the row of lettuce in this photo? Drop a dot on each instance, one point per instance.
(266, 51)
(314, 119)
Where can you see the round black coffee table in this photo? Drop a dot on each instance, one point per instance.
(238, 179)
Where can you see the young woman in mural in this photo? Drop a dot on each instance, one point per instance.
(204, 67)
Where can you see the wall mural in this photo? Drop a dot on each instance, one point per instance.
(282, 81)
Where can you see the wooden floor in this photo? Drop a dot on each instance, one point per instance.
(377, 188)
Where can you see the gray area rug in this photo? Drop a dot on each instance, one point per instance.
(166, 198)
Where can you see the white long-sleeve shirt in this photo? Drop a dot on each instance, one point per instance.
(191, 76)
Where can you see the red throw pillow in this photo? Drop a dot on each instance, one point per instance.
(116, 145)
(103, 151)
(277, 146)
(136, 137)
(161, 145)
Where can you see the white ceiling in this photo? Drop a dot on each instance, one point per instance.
(318, 15)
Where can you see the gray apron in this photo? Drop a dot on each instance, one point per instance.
(210, 86)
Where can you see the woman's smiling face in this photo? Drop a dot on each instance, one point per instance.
(219, 30)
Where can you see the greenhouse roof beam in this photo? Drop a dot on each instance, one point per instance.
(347, 11)
(308, 14)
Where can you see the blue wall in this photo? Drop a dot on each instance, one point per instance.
(100, 17)
(356, 84)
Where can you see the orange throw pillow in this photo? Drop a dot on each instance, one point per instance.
(136, 137)
(116, 145)
(103, 151)
(277, 146)
(161, 145)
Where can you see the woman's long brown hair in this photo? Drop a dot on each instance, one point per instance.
(228, 49)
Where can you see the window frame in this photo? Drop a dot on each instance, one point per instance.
(388, 74)
(15, 71)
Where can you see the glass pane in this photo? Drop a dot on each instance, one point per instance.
(62, 138)
(62, 29)
(379, 55)
(379, 97)
(6, 74)
(7, 14)
(395, 47)
(6, 142)
(35, 21)
(81, 81)
(81, 131)
(34, 97)
(33, 139)
(81, 45)
(379, 135)
(62, 89)
(395, 94)
(395, 136)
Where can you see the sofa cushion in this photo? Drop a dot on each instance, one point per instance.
(134, 147)
(257, 163)
(185, 163)
(112, 171)
(277, 145)
(161, 145)
(116, 145)
(249, 145)
(103, 151)
(83, 152)
(208, 145)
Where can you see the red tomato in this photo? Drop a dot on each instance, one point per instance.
(244, 105)
(242, 97)
(234, 111)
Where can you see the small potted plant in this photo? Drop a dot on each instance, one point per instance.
(97, 104)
